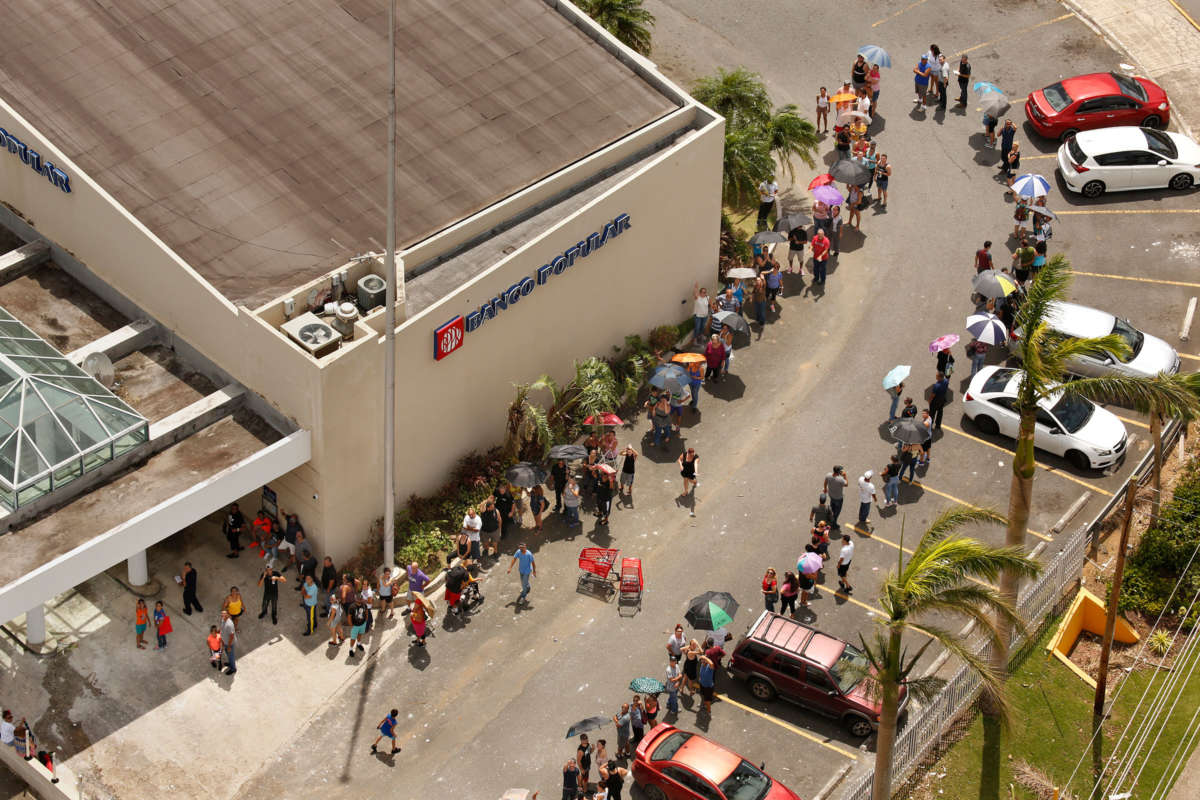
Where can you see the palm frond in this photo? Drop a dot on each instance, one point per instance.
(1056, 351)
(747, 162)
(1049, 286)
(1170, 395)
(739, 95)
(624, 19)
(789, 136)
(926, 688)
(993, 684)
(953, 518)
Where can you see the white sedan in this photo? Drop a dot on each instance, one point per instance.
(1086, 435)
(1118, 159)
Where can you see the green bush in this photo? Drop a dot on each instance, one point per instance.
(1165, 547)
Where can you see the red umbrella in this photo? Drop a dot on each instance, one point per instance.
(607, 418)
(820, 180)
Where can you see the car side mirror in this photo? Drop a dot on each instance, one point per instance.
(1055, 431)
(1162, 162)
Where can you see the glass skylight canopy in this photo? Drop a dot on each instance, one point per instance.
(56, 421)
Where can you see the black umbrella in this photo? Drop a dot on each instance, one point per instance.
(766, 237)
(568, 452)
(711, 610)
(790, 223)
(909, 431)
(994, 104)
(525, 474)
(732, 320)
(847, 171)
(585, 725)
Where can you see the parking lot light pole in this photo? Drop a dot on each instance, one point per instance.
(389, 326)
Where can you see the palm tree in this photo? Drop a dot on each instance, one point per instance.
(1175, 396)
(789, 136)
(1045, 356)
(938, 579)
(527, 434)
(624, 19)
(747, 163)
(738, 95)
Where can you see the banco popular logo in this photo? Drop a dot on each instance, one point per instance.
(35, 161)
(449, 337)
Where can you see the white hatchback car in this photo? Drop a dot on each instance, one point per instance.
(1080, 431)
(1115, 159)
(1149, 355)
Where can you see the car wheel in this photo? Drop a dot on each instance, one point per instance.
(858, 726)
(1079, 460)
(761, 689)
(1092, 189)
(1181, 182)
(1152, 121)
(987, 425)
(1067, 134)
(653, 792)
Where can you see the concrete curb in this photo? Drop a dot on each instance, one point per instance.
(832, 784)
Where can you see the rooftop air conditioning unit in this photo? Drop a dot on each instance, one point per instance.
(313, 334)
(371, 292)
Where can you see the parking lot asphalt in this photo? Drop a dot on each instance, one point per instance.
(486, 705)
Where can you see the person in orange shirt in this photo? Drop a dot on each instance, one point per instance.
(214, 646)
(261, 527)
(141, 622)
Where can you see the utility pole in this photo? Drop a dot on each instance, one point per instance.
(389, 316)
(1110, 625)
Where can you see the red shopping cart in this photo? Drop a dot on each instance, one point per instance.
(631, 586)
(596, 570)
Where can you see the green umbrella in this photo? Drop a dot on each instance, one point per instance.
(647, 686)
(711, 610)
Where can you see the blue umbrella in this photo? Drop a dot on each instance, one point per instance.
(983, 87)
(875, 55)
(896, 376)
(669, 372)
(1031, 186)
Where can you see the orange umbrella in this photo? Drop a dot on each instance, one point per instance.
(689, 358)
(843, 97)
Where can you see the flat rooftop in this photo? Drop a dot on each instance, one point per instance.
(251, 136)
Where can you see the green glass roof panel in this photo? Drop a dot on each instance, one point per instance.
(8, 462)
(15, 329)
(29, 462)
(115, 420)
(4, 314)
(10, 409)
(73, 414)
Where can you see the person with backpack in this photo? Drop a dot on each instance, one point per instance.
(358, 625)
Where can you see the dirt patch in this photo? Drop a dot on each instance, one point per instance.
(1086, 653)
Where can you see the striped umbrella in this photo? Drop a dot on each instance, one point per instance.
(987, 328)
(991, 283)
(874, 54)
(1030, 185)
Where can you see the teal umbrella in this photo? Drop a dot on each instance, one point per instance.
(647, 686)
(711, 610)
(896, 376)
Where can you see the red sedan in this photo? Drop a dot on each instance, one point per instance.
(1099, 100)
(671, 764)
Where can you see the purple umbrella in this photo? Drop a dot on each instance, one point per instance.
(809, 563)
(828, 195)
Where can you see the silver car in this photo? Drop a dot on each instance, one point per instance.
(1148, 355)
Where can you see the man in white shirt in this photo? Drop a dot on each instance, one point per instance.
(866, 495)
(472, 524)
(768, 190)
(943, 79)
(7, 729)
(843, 565)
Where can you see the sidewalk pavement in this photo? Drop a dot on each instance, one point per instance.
(1161, 39)
(1187, 785)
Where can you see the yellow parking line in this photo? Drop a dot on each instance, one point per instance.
(954, 499)
(1139, 423)
(895, 14)
(1129, 211)
(1189, 355)
(1133, 278)
(1186, 15)
(1047, 155)
(1017, 33)
(1058, 472)
(812, 737)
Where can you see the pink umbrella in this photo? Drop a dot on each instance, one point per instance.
(606, 469)
(943, 342)
(828, 195)
(607, 418)
(809, 563)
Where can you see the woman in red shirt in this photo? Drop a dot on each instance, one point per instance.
(714, 355)
(770, 589)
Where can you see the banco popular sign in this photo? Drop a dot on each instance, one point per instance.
(449, 337)
(35, 161)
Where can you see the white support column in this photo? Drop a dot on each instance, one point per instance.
(139, 571)
(35, 625)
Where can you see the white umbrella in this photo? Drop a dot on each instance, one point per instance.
(846, 116)
(1031, 186)
(987, 328)
(745, 273)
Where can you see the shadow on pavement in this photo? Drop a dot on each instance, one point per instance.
(730, 387)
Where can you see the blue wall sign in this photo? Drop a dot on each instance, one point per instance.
(557, 266)
(34, 159)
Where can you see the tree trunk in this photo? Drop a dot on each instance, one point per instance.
(885, 738)
(1156, 436)
(1020, 499)
(1110, 625)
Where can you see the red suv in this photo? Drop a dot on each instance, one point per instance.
(1099, 100)
(671, 764)
(785, 658)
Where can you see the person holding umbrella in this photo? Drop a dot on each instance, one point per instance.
(896, 390)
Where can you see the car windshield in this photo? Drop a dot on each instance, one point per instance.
(1075, 151)
(1132, 336)
(745, 783)
(998, 380)
(1129, 87)
(1073, 412)
(850, 668)
(1160, 143)
(667, 748)
(1057, 96)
